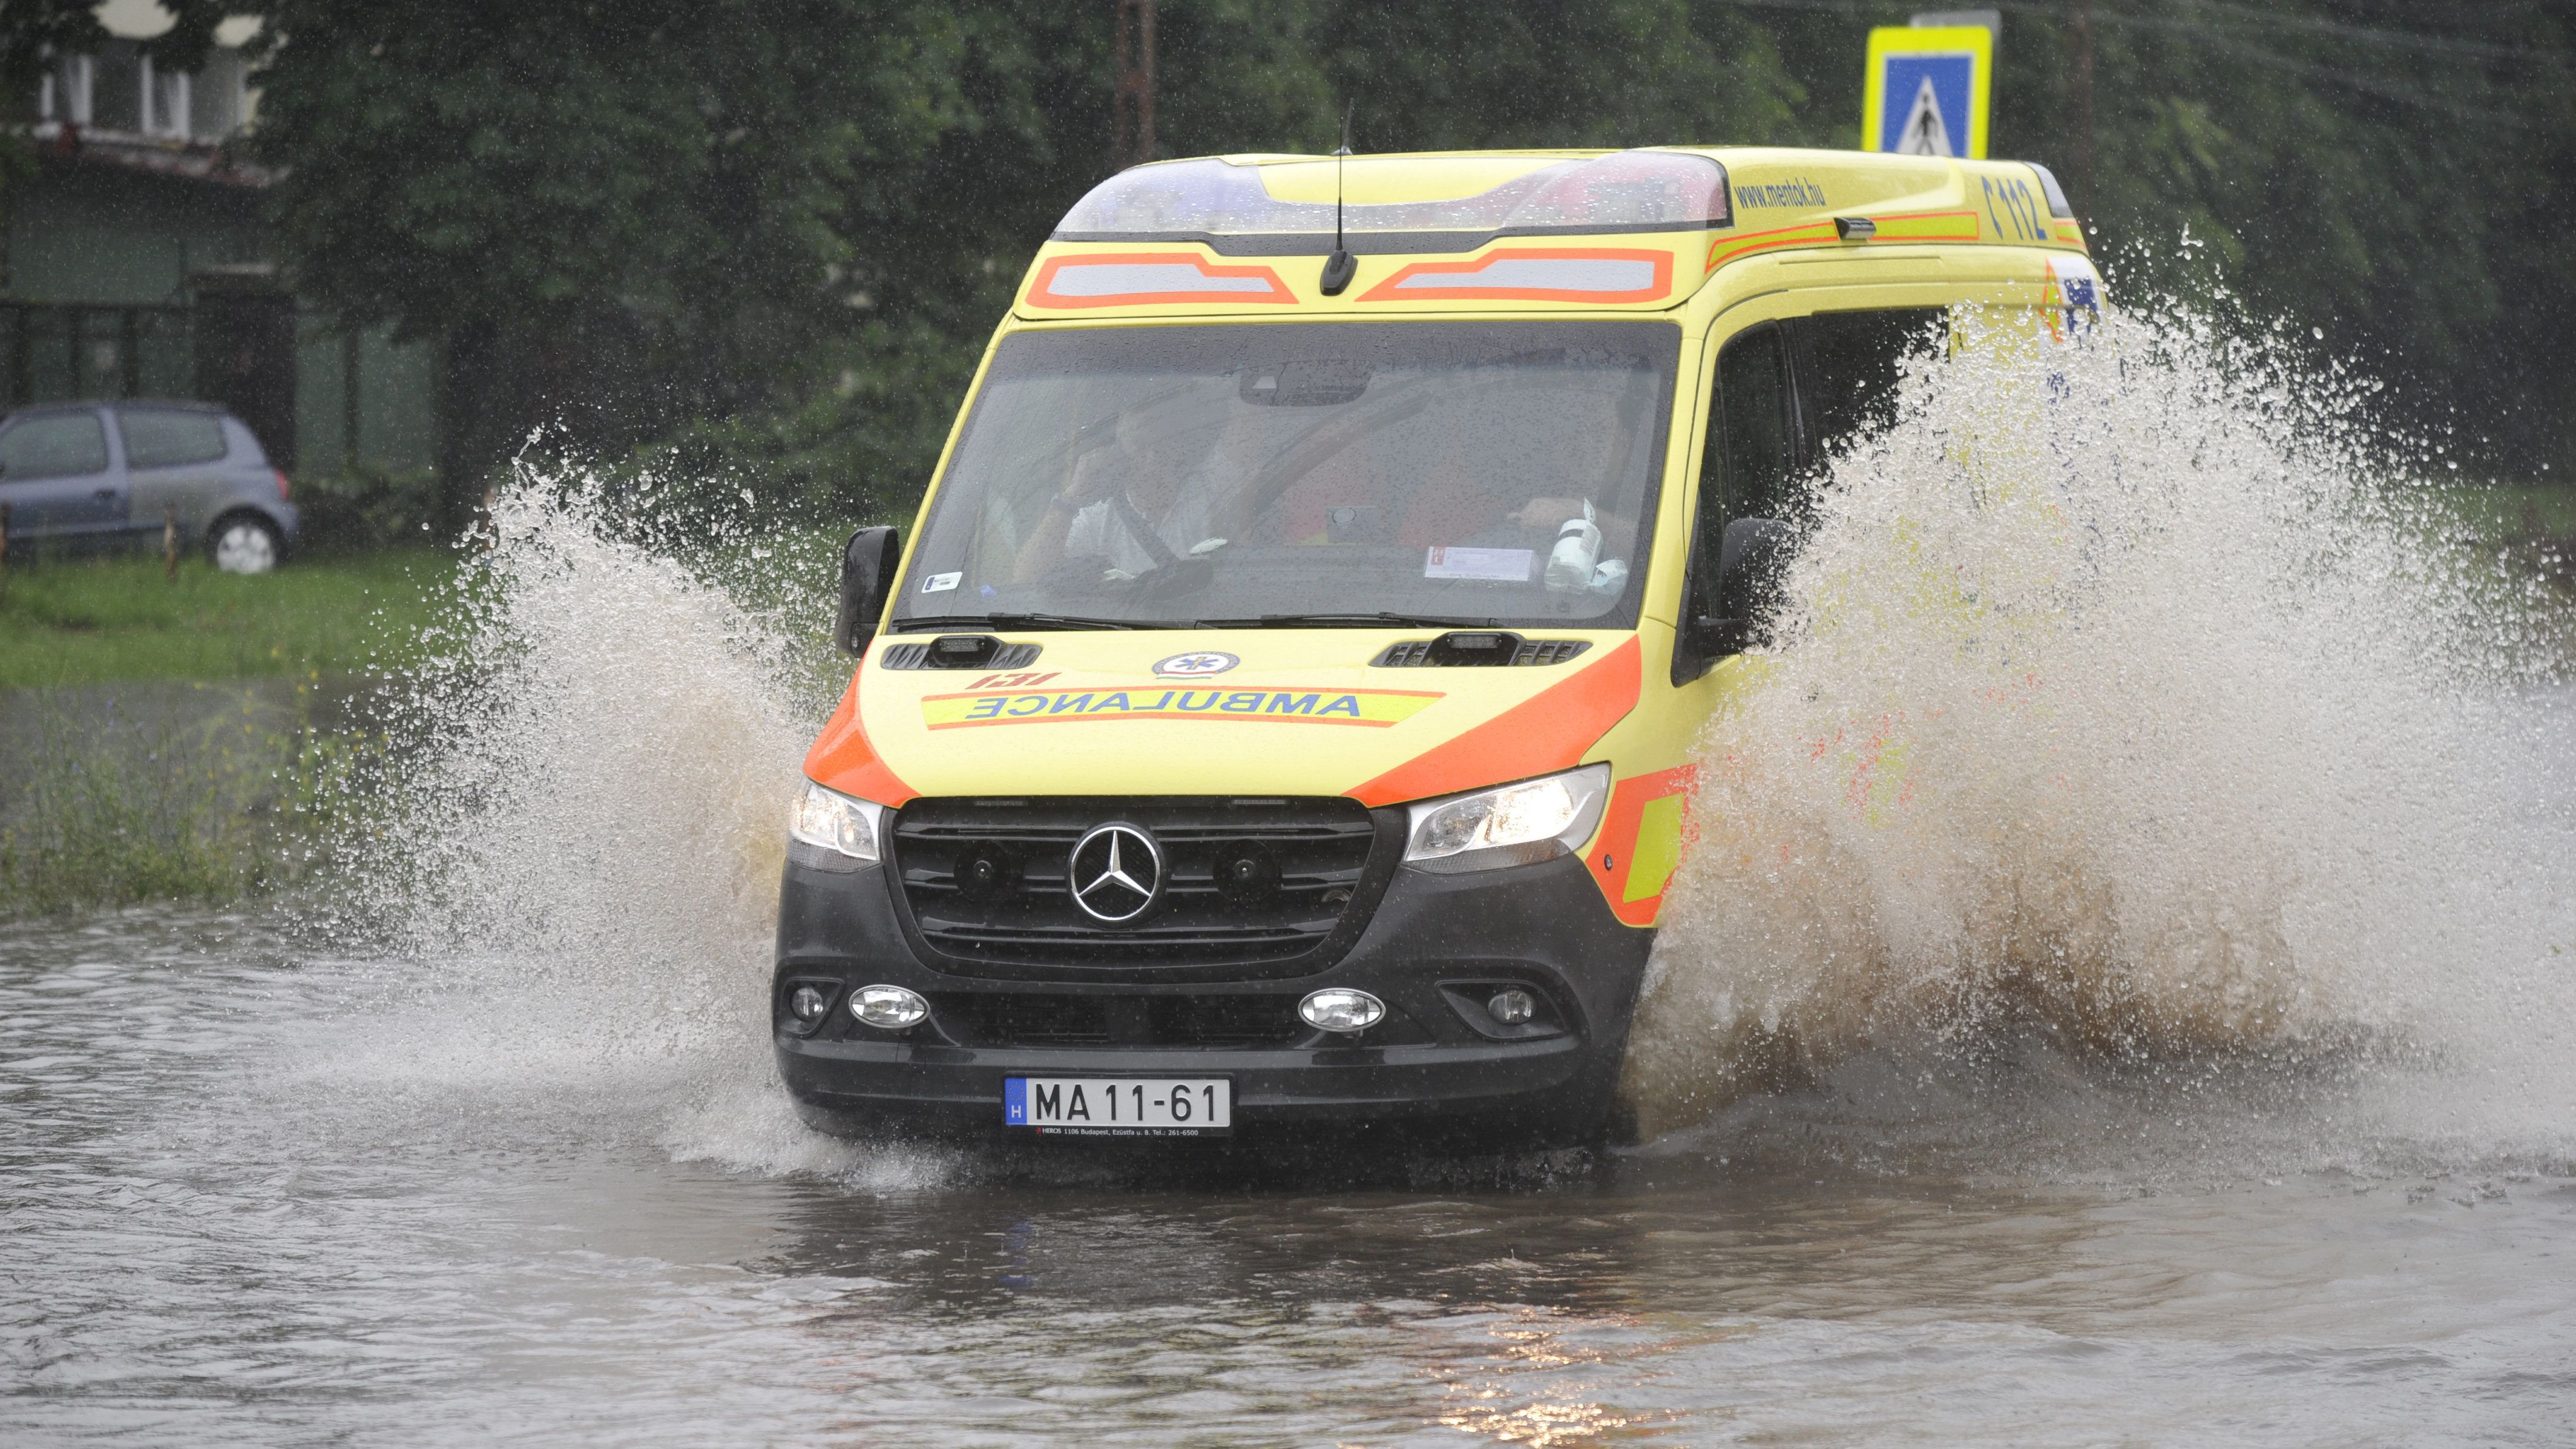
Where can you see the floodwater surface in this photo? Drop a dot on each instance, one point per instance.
(209, 1243)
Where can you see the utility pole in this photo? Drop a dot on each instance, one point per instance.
(1131, 140)
(2079, 94)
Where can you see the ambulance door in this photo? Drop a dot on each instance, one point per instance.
(1792, 378)
(1742, 440)
(1787, 394)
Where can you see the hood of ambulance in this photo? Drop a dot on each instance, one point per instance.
(1201, 712)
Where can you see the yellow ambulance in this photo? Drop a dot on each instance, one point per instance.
(1279, 718)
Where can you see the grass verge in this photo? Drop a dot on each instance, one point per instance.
(80, 621)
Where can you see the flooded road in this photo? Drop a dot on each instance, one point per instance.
(2124, 992)
(215, 1237)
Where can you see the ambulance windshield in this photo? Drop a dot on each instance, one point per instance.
(1448, 472)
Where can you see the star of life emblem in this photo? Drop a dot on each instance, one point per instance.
(1196, 663)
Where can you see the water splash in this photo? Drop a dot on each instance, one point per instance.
(2126, 693)
(574, 885)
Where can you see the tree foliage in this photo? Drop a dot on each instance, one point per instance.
(769, 237)
(616, 219)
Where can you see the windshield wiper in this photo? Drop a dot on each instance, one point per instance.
(1380, 620)
(1030, 621)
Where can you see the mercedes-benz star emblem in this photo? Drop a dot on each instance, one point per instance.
(1115, 872)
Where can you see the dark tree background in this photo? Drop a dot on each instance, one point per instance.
(768, 238)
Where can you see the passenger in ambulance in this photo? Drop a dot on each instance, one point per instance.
(1349, 498)
(1337, 501)
(1455, 502)
(1496, 507)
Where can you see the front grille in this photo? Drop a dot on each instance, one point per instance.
(1008, 1019)
(985, 882)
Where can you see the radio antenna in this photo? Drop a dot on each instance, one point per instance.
(1340, 154)
(1341, 265)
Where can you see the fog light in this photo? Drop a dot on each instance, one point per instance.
(1339, 1008)
(889, 1006)
(1512, 1006)
(809, 1003)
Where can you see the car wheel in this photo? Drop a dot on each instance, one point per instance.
(245, 543)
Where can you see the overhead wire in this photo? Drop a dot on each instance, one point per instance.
(2368, 34)
(2221, 14)
(2243, 14)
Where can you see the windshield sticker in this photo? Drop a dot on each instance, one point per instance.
(940, 583)
(1492, 565)
(1368, 708)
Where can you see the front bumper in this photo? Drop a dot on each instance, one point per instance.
(1434, 951)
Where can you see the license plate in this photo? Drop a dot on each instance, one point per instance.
(1120, 1106)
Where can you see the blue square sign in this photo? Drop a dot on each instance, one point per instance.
(1927, 104)
(1927, 90)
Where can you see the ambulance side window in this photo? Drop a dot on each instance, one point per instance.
(1750, 427)
(1744, 469)
(1847, 374)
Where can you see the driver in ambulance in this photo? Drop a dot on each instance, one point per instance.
(1146, 499)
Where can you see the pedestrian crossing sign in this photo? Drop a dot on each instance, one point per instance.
(1927, 90)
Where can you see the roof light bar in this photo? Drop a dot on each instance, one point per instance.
(1633, 191)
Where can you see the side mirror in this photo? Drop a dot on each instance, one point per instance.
(867, 577)
(1749, 560)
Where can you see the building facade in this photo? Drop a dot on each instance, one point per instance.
(134, 263)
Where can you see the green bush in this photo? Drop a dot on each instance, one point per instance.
(367, 508)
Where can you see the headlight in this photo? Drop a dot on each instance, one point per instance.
(1509, 824)
(836, 822)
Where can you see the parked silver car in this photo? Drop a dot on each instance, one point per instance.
(81, 475)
